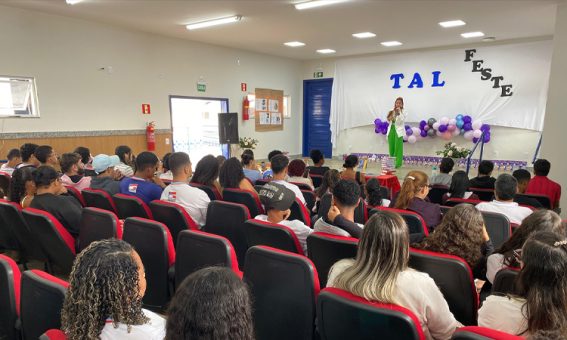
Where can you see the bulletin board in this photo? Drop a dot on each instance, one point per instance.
(269, 110)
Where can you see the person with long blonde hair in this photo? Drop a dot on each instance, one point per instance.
(413, 196)
(380, 272)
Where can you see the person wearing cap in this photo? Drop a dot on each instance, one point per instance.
(107, 178)
(277, 200)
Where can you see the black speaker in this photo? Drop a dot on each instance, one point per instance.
(228, 128)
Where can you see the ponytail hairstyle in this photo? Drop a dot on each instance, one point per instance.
(247, 157)
(413, 183)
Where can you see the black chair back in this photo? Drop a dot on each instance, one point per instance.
(326, 249)
(317, 180)
(310, 198)
(5, 180)
(8, 239)
(249, 199)
(174, 216)
(213, 193)
(261, 233)
(302, 186)
(131, 206)
(483, 194)
(505, 281)
(98, 224)
(284, 287)
(482, 333)
(498, 227)
(299, 212)
(10, 297)
(542, 199)
(101, 199)
(262, 181)
(415, 222)
(72, 191)
(436, 193)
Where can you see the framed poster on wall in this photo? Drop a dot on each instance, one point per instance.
(269, 110)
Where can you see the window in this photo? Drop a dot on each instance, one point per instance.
(18, 97)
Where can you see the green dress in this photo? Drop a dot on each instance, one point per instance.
(396, 144)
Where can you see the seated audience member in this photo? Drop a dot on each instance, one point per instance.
(28, 158)
(87, 160)
(505, 189)
(66, 209)
(484, 180)
(380, 273)
(207, 172)
(277, 200)
(413, 196)
(165, 168)
(249, 166)
(296, 171)
(194, 200)
(373, 195)
(318, 160)
(459, 187)
(126, 157)
(351, 162)
(523, 177)
(221, 159)
(14, 159)
(280, 164)
(269, 173)
(22, 187)
(231, 175)
(211, 303)
(73, 168)
(462, 233)
(541, 300)
(346, 197)
(542, 185)
(330, 179)
(46, 156)
(505, 256)
(107, 177)
(443, 178)
(104, 298)
(144, 184)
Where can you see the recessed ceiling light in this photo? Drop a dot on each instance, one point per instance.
(326, 51)
(390, 43)
(452, 23)
(472, 35)
(364, 35)
(489, 39)
(294, 44)
(317, 3)
(214, 22)
(72, 2)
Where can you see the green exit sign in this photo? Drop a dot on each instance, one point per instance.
(201, 87)
(318, 74)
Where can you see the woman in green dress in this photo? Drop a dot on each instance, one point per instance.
(396, 131)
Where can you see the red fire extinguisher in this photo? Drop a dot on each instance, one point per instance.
(245, 108)
(151, 136)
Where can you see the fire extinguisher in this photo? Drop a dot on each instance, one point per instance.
(245, 108)
(151, 136)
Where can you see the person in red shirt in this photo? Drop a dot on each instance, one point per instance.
(541, 185)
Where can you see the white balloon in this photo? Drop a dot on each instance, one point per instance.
(405, 138)
(416, 131)
(468, 135)
(444, 121)
(477, 133)
(476, 125)
(436, 126)
(412, 139)
(456, 132)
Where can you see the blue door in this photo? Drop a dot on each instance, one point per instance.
(316, 112)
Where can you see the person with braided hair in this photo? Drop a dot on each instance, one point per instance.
(104, 298)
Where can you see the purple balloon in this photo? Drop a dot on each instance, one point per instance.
(442, 128)
(409, 132)
(467, 126)
(377, 121)
(485, 128)
(423, 133)
(475, 140)
(467, 119)
(377, 129)
(487, 136)
(422, 124)
(407, 127)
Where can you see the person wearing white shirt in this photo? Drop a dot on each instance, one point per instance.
(280, 165)
(346, 197)
(396, 131)
(505, 189)
(194, 200)
(126, 158)
(14, 159)
(277, 199)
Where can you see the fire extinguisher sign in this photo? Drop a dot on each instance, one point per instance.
(243, 87)
(146, 109)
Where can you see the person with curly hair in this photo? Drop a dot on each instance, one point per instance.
(207, 172)
(462, 233)
(318, 160)
(297, 174)
(211, 303)
(104, 298)
(231, 175)
(22, 186)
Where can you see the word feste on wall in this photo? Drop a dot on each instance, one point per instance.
(486, 74)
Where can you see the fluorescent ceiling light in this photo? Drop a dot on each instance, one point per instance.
(326, 51)
(72, 2)
(472, 35)
(214, 22)
(390, 43)
(317, 3)
(452, 23)
(364, 35)
(294, 44)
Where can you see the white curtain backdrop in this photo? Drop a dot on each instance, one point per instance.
(363, 90)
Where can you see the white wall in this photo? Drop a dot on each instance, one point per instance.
(555, 123)
(65, 54)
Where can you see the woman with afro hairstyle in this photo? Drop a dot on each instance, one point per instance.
(104, 299)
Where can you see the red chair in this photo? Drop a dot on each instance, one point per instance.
(212, 192)
(451, 202)
(55, 240)
(53, 334)
(302, 186)
(174, 216)
(154, 244)
(262, 233)
(41, 302)
(101, 199)
(10, 297)
(131, 206)
(197, 249)
(454, 278)
(482, 333)
(342, 315)
(72, 191)
(299, 212)
(248, 198)
(98, 224)
(284, 287)
(483, 194)
(326, 249)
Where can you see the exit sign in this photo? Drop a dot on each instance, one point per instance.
(201, 87)
(318, 74)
